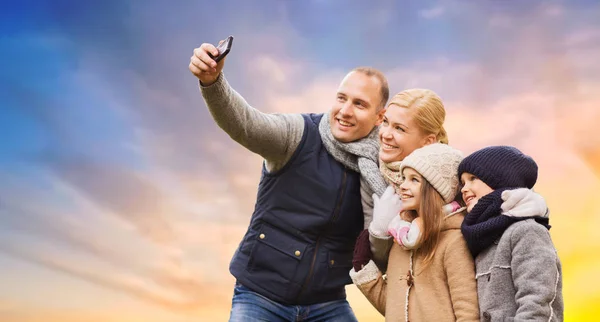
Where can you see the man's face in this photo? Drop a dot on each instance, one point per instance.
(356, 109)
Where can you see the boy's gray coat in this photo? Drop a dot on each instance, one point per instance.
(519, 277)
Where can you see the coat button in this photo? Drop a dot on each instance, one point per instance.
(297, 253)
(487, 316)
(261, 236)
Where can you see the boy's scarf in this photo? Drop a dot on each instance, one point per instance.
(360, 156)
(485, 224)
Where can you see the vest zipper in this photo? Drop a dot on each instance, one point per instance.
(331, 220)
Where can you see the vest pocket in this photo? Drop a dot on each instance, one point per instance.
(338, 273)
(275, 256)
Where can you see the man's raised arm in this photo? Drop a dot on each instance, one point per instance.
(275, 137)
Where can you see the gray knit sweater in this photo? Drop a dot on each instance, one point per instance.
(519, 277)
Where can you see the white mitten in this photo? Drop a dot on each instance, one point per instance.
(523, 202)
(384, 209)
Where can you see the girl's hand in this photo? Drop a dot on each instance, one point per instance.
(384, 210)
(362, 251)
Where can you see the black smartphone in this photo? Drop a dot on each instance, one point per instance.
(223, 49)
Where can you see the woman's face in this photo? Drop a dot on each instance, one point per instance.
(399, 136)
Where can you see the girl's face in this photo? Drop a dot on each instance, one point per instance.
(410, 189)
(399, 135)
(473, 189)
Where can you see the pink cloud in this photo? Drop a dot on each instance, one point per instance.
(433, 12)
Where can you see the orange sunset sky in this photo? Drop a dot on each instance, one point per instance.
(122, 201)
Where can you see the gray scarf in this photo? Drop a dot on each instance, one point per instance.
(361, 155)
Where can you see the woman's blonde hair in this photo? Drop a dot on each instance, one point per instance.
(429, 111)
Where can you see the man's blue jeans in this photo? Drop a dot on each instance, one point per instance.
(250, 306)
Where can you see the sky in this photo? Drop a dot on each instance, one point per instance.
(121, 200)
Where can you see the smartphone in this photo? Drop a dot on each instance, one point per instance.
(223, 49)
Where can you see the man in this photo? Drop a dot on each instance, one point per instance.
(294, 259)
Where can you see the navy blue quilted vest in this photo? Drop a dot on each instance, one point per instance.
(298, 247)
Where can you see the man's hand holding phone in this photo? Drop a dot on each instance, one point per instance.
(207, 61)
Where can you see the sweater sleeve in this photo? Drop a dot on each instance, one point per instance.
(366, 199)
(460, 272)
(275, 137)
(535, 272)
(372, 284)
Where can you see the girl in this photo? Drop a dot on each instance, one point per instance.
(518, 270)
(430, 274)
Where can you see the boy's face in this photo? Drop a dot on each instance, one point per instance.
(472, 189)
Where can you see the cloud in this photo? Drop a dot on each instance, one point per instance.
(178, 191)
(583, 37)
(165, 272)
(500, 21)
(553, 10)
(542, 85)
(60, 231)
(382, 15)
(7, 305)
(433, 12)
(119, 191)
(128, 284)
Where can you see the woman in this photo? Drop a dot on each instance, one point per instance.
(413, 118)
